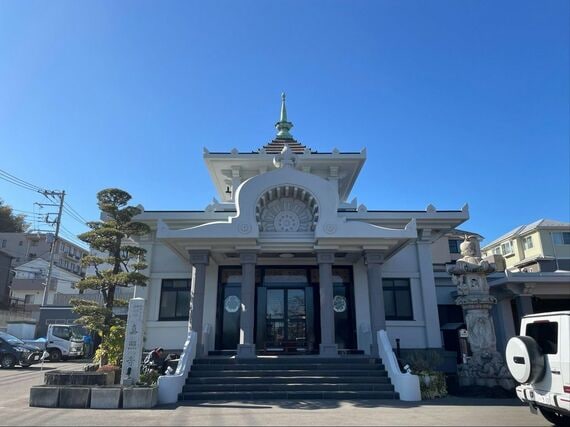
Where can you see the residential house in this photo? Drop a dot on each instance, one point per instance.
(24, 247)
(537, 279)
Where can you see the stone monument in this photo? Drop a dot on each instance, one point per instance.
(132, 352)
(486, 366)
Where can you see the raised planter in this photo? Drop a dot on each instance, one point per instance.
(75, 378)
(44, 396)
(140, 397)
(106, 397)
(74, 397)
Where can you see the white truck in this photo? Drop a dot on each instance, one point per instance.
(539, 359)
(61, 342)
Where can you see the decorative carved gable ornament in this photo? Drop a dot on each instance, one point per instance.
(286, 209)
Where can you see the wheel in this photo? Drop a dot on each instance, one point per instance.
(7, 361)
(525, 360)
(54, 355)
(554, 417)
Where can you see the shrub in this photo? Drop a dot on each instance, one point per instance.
(148, 378)
(111, 349)
(424, 361)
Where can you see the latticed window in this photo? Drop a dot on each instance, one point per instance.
(397, 299)
(174, 299)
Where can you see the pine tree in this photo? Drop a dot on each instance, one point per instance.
(119, 265)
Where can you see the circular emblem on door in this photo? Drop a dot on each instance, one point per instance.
(232, 304)
(339, 304)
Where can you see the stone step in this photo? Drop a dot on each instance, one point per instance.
(287, 373)
(309, 379)
(325, 386)
(289, 360)
(284, 366)
(271, 395)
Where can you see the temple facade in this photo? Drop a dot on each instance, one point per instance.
(284, 262)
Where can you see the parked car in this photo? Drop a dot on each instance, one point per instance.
(14, 351)
(539, 359)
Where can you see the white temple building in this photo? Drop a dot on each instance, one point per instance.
(282, 262)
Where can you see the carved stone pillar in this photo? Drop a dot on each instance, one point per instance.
(199, 261)
(374, 261)
(246, 347)
(328, 347)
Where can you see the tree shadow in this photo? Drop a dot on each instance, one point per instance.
(316, 404)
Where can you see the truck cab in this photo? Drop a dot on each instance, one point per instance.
(539, 359)
(61, 341)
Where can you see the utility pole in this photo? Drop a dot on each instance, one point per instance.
(61, 196)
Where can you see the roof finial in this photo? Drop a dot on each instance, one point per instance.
(283, 126)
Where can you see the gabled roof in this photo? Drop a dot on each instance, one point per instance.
(523, 229)
(39, 264)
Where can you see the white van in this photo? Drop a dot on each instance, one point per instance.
(539, 359)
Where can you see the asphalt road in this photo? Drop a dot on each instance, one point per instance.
(14, 410)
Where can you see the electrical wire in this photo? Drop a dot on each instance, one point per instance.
(20, 182)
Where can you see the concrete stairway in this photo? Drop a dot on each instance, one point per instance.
(287, 377)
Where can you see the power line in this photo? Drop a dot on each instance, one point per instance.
(20, 182)
(67, 206)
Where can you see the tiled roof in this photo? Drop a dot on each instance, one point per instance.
(275, 146)
(522, 229)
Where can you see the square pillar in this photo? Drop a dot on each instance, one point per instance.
(429, 296)
(246, 347)
(327, 347)
(374, 261)
(199, 261)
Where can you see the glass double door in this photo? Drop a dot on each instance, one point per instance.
(285, 319)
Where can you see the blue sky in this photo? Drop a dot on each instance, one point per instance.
(456, 101)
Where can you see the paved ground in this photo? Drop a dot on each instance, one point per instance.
(14, 410)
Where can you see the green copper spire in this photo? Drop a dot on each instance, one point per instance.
(283, 126)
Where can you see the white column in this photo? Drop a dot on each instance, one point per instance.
(504, 323)
(246, 347)
(328, 347)
(429, 297)
(374, 261)
(199, 261)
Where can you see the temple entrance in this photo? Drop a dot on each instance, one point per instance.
(285, 319)
(287, 309)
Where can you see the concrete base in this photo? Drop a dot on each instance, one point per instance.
(106, 397)
(44, 396)
(140, 397)
(246, 351)
(74, 397)
(328, 350)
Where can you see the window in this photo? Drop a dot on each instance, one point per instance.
(4, 241)
(545, 334)
(397, 299)
(507, 248)
(174, 299)
(497, 250)
(62, 332)
(562, 238)
(527, 242)
(29, 299)
(453, 246)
